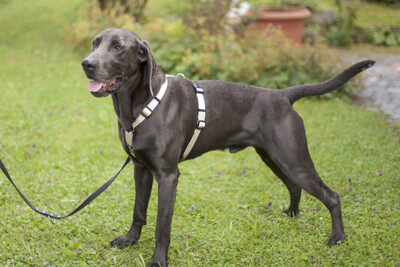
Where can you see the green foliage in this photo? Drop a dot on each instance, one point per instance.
(341, 33)
(369, 22)
(132, 7)
(388, 36)
(205, 16)
(91, 20)
(265, 59)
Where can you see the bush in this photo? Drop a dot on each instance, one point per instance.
(206, 15)
(344, 30)
(133, 7)
(90, 20)
(264, 59)
(341, 34)
(271, 61)
(388, 36)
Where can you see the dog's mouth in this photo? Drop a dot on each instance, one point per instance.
(98, 88)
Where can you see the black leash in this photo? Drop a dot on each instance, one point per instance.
(81, 206)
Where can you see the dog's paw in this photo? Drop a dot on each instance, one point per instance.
(291, 213)
(123, 242)
(336, 240)
(157, 263)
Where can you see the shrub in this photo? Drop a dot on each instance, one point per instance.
(271, 61)
(265, 59)
(341, 34)
(206, 15)
(388, 36)
(91, 20)
(132, 7)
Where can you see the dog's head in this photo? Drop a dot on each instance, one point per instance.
(117, 56)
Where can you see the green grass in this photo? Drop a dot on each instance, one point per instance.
(378, 14)
(60, 144)
(369, 14)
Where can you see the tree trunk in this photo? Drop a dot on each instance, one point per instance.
(102, 4)
(132, 7)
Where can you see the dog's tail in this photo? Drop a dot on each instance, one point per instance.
(299, 91)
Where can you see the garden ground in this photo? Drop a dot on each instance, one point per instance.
(381, 90)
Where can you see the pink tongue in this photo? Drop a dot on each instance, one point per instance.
(95, 86)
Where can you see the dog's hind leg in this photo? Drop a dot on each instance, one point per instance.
(294, 190)
(143, 186)
(286, 145)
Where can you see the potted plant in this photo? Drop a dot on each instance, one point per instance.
(288, 15)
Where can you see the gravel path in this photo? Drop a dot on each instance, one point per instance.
(382, 82)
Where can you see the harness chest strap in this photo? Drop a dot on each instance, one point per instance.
(148, 110)
(201, 119)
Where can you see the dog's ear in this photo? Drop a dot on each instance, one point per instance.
(143, 51)
(144, 56)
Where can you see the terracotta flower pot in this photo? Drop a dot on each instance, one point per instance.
(289, 19)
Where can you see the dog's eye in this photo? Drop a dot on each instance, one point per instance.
(118, 47)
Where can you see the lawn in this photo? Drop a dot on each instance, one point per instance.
(369, 13)
(60, 144)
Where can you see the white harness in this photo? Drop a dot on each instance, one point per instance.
(148, 110)
(201, 118)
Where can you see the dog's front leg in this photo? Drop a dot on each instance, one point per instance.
(143, 185)
(167, 183)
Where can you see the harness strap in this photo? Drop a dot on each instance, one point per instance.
(146, 112)
(201, 118)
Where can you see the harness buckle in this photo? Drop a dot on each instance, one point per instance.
(199, 90)
(200, 125)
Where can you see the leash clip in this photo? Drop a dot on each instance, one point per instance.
(52, 221)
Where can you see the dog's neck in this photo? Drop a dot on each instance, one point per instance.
(134, 96)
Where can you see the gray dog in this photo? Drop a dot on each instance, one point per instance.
(237, 116)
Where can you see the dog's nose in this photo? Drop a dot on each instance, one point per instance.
(89, 64)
